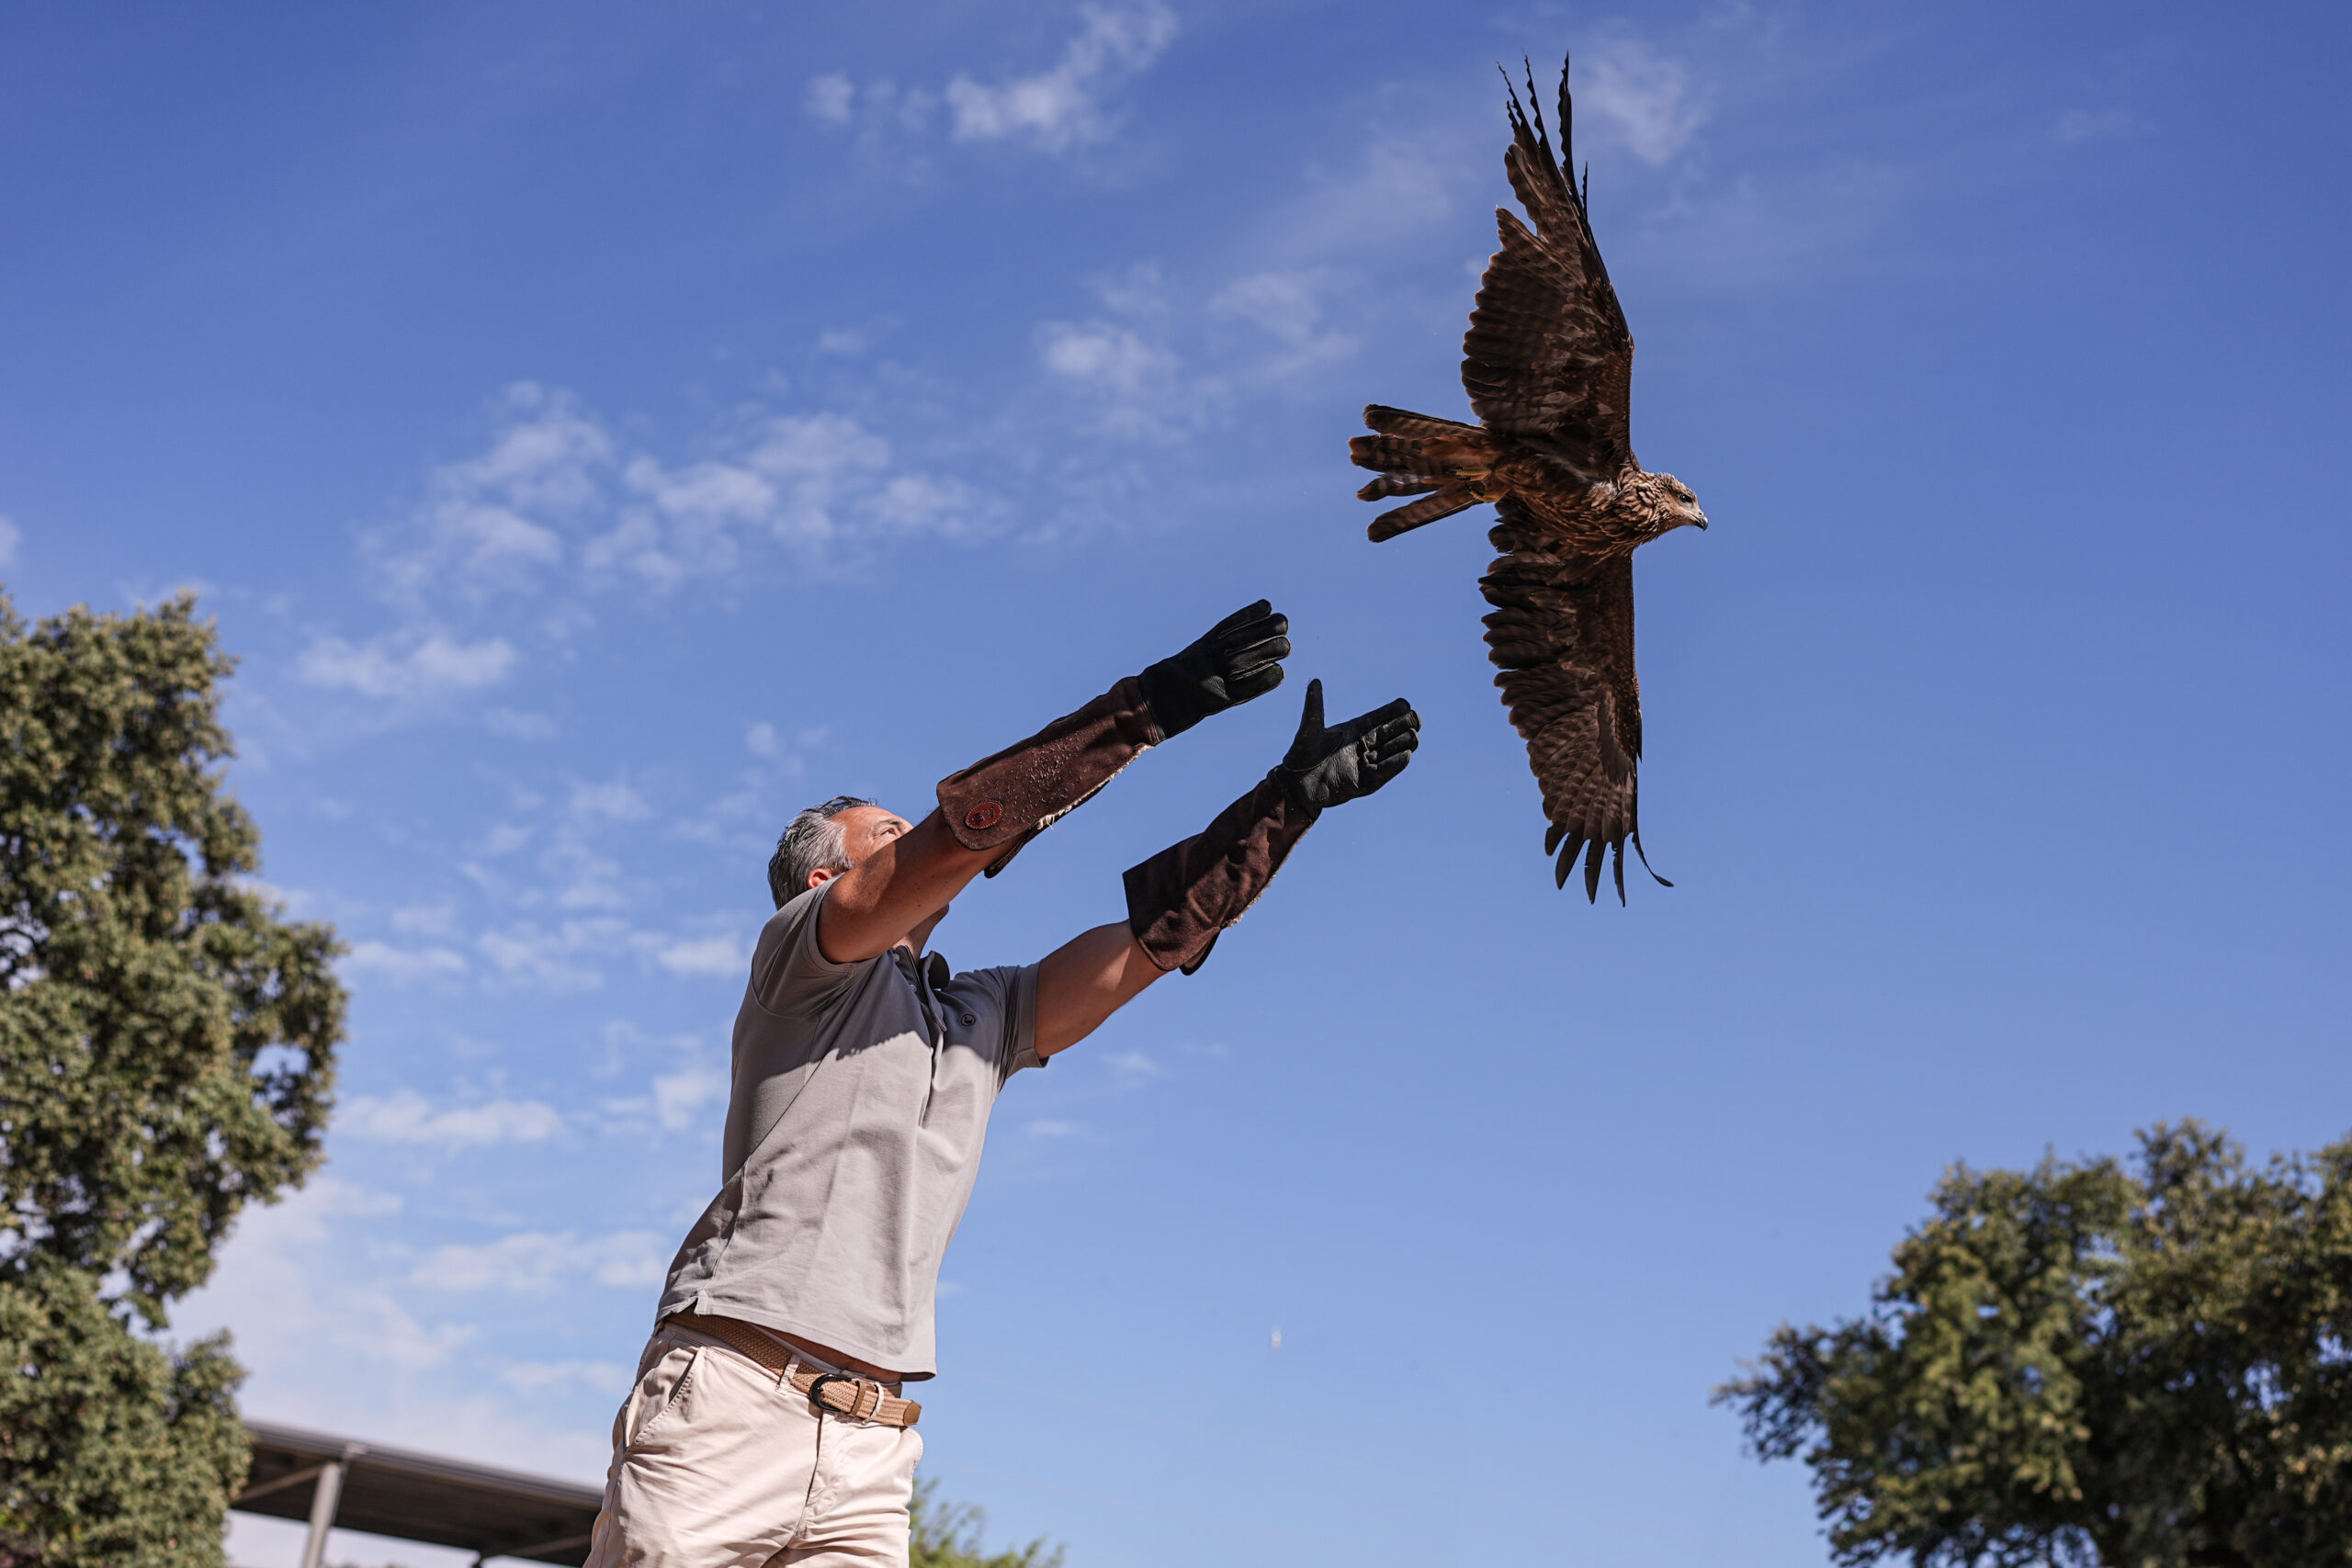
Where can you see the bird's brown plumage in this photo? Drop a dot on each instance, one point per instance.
(1548, 365)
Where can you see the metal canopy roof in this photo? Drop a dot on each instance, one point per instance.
(363, 1486)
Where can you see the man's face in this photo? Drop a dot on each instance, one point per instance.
(864, 828)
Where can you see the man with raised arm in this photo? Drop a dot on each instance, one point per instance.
(768, 1424)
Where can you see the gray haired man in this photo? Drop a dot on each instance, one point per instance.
(768, 1424)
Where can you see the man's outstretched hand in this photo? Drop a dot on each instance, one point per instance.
(1330, 767)
(1238, 660)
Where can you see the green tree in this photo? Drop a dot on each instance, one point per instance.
(2085, 1364)
(166, 1053)
(947, 1535)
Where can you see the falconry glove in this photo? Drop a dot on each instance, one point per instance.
(1179, 899)
(1001, 802)
(1238, 659)
(1330, 767)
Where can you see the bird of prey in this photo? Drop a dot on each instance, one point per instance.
(1549, 368)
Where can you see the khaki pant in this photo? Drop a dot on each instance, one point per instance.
(715, 1465)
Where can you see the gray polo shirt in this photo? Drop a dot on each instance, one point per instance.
(861, 1099)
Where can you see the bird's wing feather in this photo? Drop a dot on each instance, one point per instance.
(1562, 634)
(1548, 357)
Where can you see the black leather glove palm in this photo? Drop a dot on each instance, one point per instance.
(1330, 767)
(1238, 660)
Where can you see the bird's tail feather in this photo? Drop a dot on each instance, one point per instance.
(1429, 509)
(1387, 485)
(1389, 453)
(1404, 422)
(1415, 453)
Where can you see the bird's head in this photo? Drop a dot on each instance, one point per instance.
(1671, 504)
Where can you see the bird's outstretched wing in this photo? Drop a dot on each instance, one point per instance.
(1548, 357)
(1562, 633)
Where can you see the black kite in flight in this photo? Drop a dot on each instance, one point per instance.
(1549, 368)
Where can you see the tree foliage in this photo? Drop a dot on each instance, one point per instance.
(166, 1052)
(2085, 1364)
(112, 1452)
(947, 1535)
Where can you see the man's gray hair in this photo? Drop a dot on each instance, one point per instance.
(813, 842)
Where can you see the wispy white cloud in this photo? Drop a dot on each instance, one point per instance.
(557, 959)
(315, 1287)
(275, 1270)
(1288, 309)
(2077, 125)
(491, 523)
(723, 957)
(515, 725)
(531, 1262)
(1060, 109)
(830, 98)
(408, 666)
(1160, 362)
(679, 1096)
(426, 920)
(816, 484)
(535, 1377)
(611, 801)
(556, 512)
(10, 538)
(407, 1117)
(405, 964)
(1104, 355)
(1643, 99)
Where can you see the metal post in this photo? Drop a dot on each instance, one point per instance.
(324, 1499)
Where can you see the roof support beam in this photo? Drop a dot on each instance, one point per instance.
(325, 1498)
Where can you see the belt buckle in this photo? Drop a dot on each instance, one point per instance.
(817, 1387)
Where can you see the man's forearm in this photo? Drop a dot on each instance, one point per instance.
(893, 890)
(1086, 980)
(1000, 802)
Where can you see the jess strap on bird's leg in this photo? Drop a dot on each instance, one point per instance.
(1001, 802)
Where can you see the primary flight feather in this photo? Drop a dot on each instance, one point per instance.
(1549, 368)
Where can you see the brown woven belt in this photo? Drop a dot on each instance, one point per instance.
(861, 1399)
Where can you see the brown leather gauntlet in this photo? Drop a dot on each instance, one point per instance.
(1182, 897)
(1002, 802)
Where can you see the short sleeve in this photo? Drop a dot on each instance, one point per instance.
(791, 977)
(1021, 1019)
(1010, 994)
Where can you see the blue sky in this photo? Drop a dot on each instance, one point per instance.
(600, 429)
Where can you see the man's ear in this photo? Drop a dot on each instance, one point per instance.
(823, 873)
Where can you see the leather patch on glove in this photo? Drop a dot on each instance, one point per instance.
(1025, 789)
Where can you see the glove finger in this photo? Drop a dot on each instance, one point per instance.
(1230, 631)
(1310, 721)
(1380, 773)
(1366, 723)
(1265, 650)
(1395, 742)
(1253, 682)
(1241, 617)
